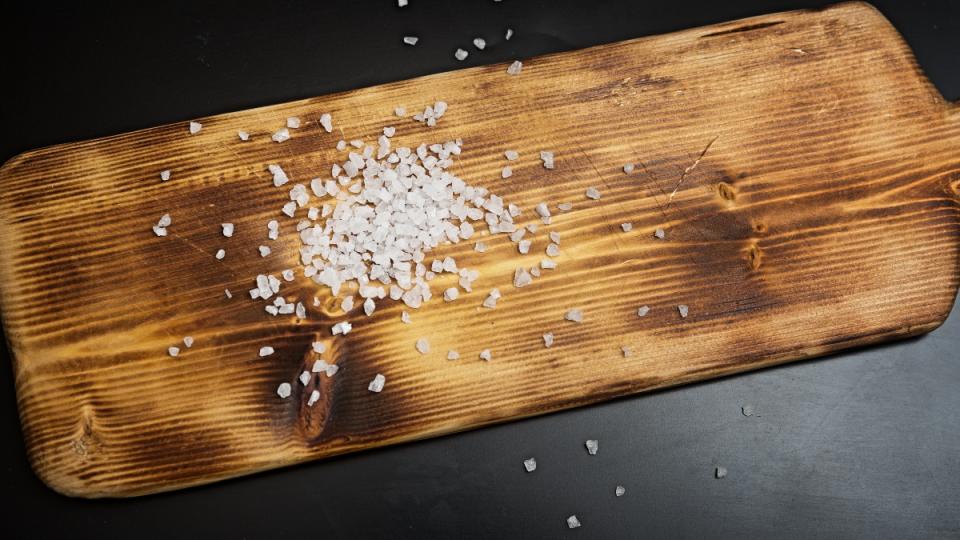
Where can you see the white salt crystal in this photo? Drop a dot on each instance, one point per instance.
(548, 340)
(530, 464)
(376, 385)
(289, 209)
(165, 221)
(389, 131)
(173, 351)
(221, 253)
(453, 355)
(574, 315)
(491, 300)
(642, 311)
(195, 127)
(620, 491)
(264, 250)
(305, 378)
(628, 168)
(573, 522)
(592, 193)
(511, 155)
(301, 310)
(347, 304)
(659, 233)
(319, 347)
(542, 210)
(451, 294)
(369, 306)
(281, 135)
(410, 40)
(547, 158)
(227, 293)
(507, 172)
(593, 446)
(293, 122)
(485, 355)
(327, 122)
(405, 317)
(627, 227)
(521, 278)
(159, 231)
(480, 43)
(227, 229)
(266, 351)
(188, 341)
(480, 247)
(555, 237)
(423, 346)
(523, 246)
(243, 135)
(509, 34)
(547, 264)
(515, 68)
(535, 271)
(401, 3)
(400, 111)
(627, 352)
(720, 472)
(684, 310)
(460, 54)
(341, 328)
(565, 206)
(553, 250)
(284, 390)
(164, 175)
(314, 397)
(279, 177)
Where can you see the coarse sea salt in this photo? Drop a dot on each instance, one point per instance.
(410, 40)
(574, 315)
(548, 340)
(515, 68)
(486, 355)
(480, 43)
(422, 346)
(195, 127)
(164, 175)
(530, 464)
(460, 54)
(376, 385)
(593, 446)
(284, 390)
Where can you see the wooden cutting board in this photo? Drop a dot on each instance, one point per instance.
(805, 173)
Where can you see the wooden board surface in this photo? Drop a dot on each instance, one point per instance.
(824, 215)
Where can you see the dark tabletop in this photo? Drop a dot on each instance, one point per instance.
(862, 444)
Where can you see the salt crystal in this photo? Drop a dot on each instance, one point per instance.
(747, 410)
(574, 315)
(410, 40)
(293, 122)
(405, 317)
(547, 158)
(159, 231)
(319, 347)
(266, 351)
(164, 175)
(530, 464)
(521, 278)
(491, 300)
(628, 168)
(389, 131)
(281, 135)
(301, 311)
(289, 209)
(369, 306)
(509, 34)
(547, 264)
(347, 304)
(684, 310)
(173, 351)
(548, 340)
(279, 177)
(460, 54)
(305, 378)
(227, 293)
(511, 155)
(195, 127)
(627, 227)
(555, 237)
(453, 355)
(401, 3)
(565, 206)
(592, 193)
(221, 253)
(553, 250)
(188, 341)
(627, 352)
(400, 111)
(515, 68)
(642, 311)
(227, 229)
(507, 172)
(593, 446)
(620, 491)
(659, 233)
(376, 385)
(542, 210)
(243, 135)
(341, 328)
(720, 472)
(573, 522)
(485, 355)
(451, 294)
(423, 346)
(480, 43)
(164, 221)
(284, 390)
(314, 397)
(327, 122)
(264, 250)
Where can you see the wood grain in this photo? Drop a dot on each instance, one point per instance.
(824, 215)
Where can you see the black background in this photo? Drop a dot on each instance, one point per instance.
(863, 444)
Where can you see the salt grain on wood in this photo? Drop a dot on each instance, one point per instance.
(376, 385)
(327, 122)
(548, 340)
(485, 355)
(592, 193)
(173, 351)
(266, 351)
(164, 175)
(280, 135)
(515, 68)
(642, 311)
(422, 346)
(574, 315)
(684, 310)
(284, 390)
(195, 127)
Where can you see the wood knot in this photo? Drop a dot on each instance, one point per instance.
(759, 227)
(87, 442)
(726, 192)
(754, 257)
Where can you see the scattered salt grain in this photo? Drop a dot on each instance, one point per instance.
(280, 135)
(720, 472)
(221, 253)
(305, 378)
(422, 346)
(164, 175)
(342, 327)
(627, 352)
(684, 310)
(195, 127)
(530, 464)
(319, 347)
(389, 131)
(509, 34)
(511, 155)
(451, 294)
(542, 210)
(592, 193)
(554, 237)
(547, 264)
(628, 168)
(547, 158)
(480, 43)
(620, 491)
(405, 317)
(747, 410)
(314, 397)
(188, 341)
(264, 250)
(573, 522)
(485, 355)
(453, 355)
(523, 246)
(369, 306)
(535, 271)
(553, 250)
(659, 233)
(574, 315)
(480, 247)
(227, 293)
(548, 340)
(642, 311)
(460, 54)
(410, 40)
(376, 385)
(491, 300)
(284, 390)
(301, 310)
(521, 278)
(347, 304)
(327, 122)
(293, 122)
(627, 227)
(401, 3)
(289, 209)
(592, 446)
(173, 351)
(266, 351)
(565, 206)
(507, 172)
(279, 177)
(400, 111)
(515, 68)
(244, 136)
